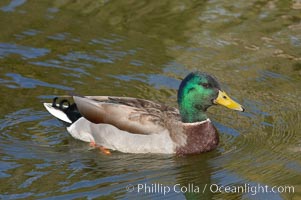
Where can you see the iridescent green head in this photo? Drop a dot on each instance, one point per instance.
(197, 92)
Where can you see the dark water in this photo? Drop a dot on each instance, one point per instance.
(143, 49)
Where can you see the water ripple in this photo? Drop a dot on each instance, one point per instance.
(12, 5)
(19, 81)
(62, 65)
(155, 80)
(5, 166)
(76, 56)
(59, 36)
(7, 49)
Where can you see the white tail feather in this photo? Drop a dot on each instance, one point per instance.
(57, 113)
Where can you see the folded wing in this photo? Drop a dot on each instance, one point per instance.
(129, 114)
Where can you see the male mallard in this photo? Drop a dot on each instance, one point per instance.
(134, 125)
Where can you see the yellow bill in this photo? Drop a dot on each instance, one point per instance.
(225, 100)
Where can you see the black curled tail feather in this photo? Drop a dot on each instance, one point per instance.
(69, 109)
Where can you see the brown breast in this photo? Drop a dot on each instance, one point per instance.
(201, 137)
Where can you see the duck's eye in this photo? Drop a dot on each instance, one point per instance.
(205, 85)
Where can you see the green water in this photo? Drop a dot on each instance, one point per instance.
(143, 49)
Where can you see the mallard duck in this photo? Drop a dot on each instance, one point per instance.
(133, 125)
